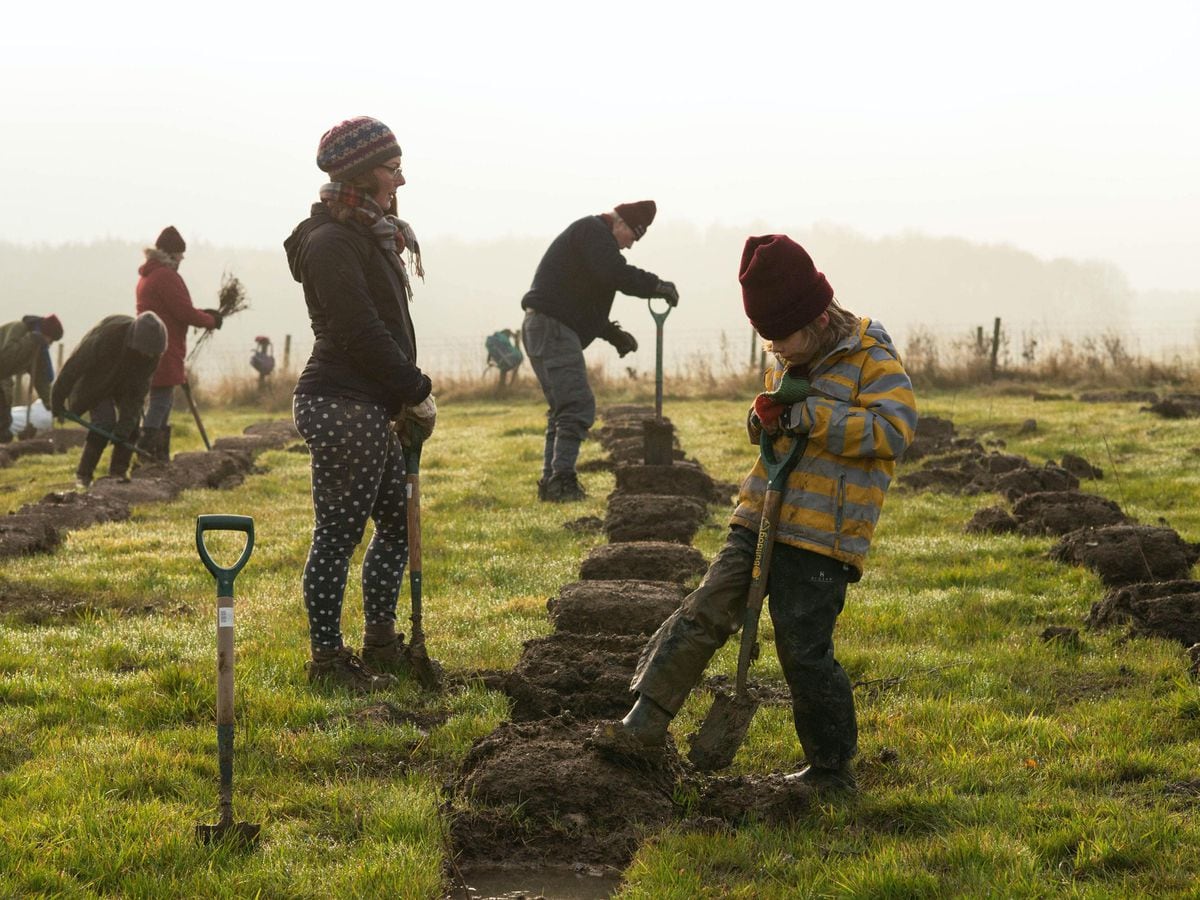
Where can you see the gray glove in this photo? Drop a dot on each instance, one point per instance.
(668, 292)
(414, 425)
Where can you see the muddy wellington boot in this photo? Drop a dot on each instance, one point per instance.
(341, 668)
(646, 722)
(383, 649)
(838, 780)
(93, 446)
(118, 466)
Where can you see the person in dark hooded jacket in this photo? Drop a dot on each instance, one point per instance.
(108, 375)
(361, 379)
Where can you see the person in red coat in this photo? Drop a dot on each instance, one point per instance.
(161, 291)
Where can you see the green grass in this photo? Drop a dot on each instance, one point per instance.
(992, 764)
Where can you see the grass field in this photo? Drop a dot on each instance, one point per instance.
(992, 764)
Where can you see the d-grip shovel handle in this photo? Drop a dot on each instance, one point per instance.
(224, 576)
(659, 317)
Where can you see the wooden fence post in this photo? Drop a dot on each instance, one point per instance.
(995, 344)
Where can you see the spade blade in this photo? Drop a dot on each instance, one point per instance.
(724, 729)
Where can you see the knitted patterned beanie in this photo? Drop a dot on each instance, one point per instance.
(355, 146)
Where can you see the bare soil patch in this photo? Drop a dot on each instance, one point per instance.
(587, 675)
(1168, 609)
(648, 517)
(1127, 554)
(1177, 406)
(644, 560)
(614, 607)
(685, 479)
(1061, 512)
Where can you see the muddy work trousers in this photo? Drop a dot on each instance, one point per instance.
(104, 415)
(556, 355)
(807, 592)
(357, 474)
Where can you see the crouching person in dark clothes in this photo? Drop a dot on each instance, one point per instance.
(566, 309)
(25, 348)
(850, 397)
(362, 376)
(108, 375)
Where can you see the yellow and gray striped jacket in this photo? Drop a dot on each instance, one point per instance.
(859, 418)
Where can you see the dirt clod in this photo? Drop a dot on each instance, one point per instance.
(685, 480)
(1169, 609)
(992, 520)
(647, 517)
(644, 560)
(614, 607)
(1127, 554)
(588, 675)
(1081, 468)
(1060, 512)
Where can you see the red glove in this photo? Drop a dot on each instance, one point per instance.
(768, 411)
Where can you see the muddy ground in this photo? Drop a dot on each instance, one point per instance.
(644, 560)
(1177, 406)
(978, 472)
(614, 607)
(1049, 512)
(57, 440)
(1127, 554)
(39, 527)
(587, 675)
(682, 480)
(1166, 609)
(650, 517)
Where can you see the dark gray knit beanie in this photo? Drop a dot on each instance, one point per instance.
(148, 336)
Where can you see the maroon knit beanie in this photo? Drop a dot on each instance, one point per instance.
(637, 216)
(782, 290)
(355, 146)
(170, 241)
(51, 327)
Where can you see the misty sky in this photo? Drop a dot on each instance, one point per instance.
(1066, 129)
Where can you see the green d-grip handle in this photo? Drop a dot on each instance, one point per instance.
(779, 469)
(659, 317)
(224, 576)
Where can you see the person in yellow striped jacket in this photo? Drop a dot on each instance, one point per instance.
(839, 385)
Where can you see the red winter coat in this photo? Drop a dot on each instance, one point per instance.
(161, 291)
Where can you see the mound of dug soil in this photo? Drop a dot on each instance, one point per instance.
(537, 793)
(934, 436)
(1167, 609)
(1127, 554)
(683, 480)
(649, 517)
(1060, 512)
(614, 607)
(1118, 397)
(992, 520)
(753, 798)
(632, 451)
(1177, 406)
(625, 428)
(22, 533)
(587, 675)
(643, 560)
(1081, 468)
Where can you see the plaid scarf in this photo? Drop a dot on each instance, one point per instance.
(394, 235)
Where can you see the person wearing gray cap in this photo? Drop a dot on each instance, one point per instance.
(108, 375)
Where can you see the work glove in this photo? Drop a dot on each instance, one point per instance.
(668, 292)
(414, 425)
(216, 314)
(621, 339)
(769, 406)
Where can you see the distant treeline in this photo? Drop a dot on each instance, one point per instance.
(475, 287)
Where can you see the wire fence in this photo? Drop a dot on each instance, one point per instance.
(727, 351)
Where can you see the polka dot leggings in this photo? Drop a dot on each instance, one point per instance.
(357, 473)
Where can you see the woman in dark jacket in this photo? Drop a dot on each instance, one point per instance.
(108, 375)
(361, 377)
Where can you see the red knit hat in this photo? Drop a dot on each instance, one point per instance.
(170, 241)
(782, 290)
(637, 216)
(355, 146)
(51, 327)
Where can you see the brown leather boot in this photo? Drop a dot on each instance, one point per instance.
(383, 649)
(341, 668)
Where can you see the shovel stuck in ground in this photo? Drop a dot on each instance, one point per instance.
(427, 671)
(239, 833)
(724, 728)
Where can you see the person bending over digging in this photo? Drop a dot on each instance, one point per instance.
(108, 375)
(566, 309)
(160, 290)
(838, 384)
(25, 349)
(360, 386)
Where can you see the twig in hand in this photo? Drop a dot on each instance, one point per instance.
(230, 299)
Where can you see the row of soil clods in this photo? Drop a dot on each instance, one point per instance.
(540, 790)
(40, 527)
(57, 440)
(1145, 567)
